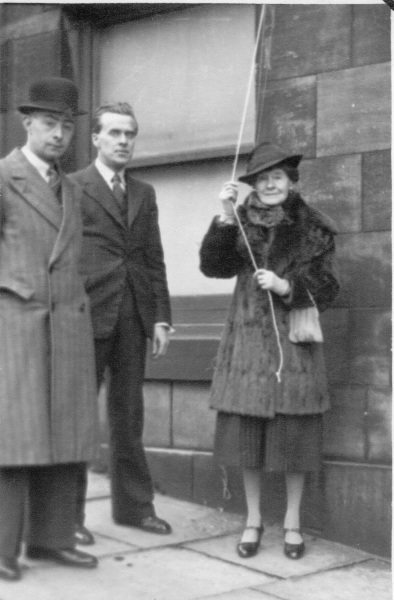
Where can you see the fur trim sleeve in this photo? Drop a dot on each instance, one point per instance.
(218, 255)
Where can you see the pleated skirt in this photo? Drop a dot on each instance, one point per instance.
(286, 443)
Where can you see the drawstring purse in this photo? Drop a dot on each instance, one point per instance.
(305, 324)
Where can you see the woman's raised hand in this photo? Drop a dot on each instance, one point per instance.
(228, 195)
(267, 280)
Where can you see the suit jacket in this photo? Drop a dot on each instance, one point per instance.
(118, 253)
(48, 408)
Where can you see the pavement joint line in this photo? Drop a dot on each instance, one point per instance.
(236, 564)
(270, 594)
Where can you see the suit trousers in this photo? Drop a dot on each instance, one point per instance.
(45, 497)
(124, 354)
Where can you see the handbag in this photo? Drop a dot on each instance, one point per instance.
(305, 324)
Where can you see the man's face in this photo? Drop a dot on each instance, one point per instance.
(48, 133)
(116, 139)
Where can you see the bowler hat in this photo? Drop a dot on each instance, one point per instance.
(55, 94)
(266, 156)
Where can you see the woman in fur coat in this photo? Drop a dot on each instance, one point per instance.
(265, 421)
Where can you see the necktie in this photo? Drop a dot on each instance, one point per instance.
(54, 182)
(120, 194)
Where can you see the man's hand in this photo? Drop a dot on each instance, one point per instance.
(267, 280)
(160, 341)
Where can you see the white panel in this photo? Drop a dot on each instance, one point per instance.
(186, 75)
(187, 196)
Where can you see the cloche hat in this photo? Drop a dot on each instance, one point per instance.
(265, 156)
(55, 94)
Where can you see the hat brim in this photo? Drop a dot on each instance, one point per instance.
(25, 109)
(293, 161)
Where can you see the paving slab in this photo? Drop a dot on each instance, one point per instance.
(189, 522)
(244, 594)
(319, 554)
(160, 574)
(99, 486)
(363, 581)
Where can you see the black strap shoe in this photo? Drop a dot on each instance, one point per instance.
(66, 556)
(249, 549)
(294, 551)
(9, 568)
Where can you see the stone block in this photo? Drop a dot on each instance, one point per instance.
(336, 332)
(200, 309)
(370, 347)
(193, 420)
(187, 359)
(32, 57)
(364, 261)
(5, 76)
(358, 500)
(217, 486)
(302, 29)
(172, 472)
(332, 184)
(289, 115)
(344, 424)
(15, 135)
(377, 190)
(354, 110)
(157, 403)
(371, 34)
(379, 425)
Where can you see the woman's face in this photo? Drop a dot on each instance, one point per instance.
(273, 186)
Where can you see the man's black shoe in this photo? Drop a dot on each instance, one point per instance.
(67, 556)
(9, 569)
(83, 536)
(152, 524)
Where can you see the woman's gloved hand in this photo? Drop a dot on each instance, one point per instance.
(228, 195)
(267, 280)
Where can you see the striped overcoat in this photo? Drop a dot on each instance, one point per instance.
(48, 407)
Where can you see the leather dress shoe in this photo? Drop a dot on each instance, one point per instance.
(249, 549)
(294, 551)
(83, 536)
(9, 569)
(152, 524)
(66, 556)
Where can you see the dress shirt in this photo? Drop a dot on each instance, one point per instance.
(41, 166)
(108, 174)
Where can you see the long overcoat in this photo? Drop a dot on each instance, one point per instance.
(48, 401)
(300, 249)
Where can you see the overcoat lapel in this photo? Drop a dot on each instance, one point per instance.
(29, 184)
(68, 225)
(96, 187)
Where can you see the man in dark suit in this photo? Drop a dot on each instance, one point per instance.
(123, 265)
(48, 408)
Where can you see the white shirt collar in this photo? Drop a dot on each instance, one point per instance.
(107, 173)
(41, 166)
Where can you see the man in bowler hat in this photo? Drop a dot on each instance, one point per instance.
(123, 264)
(48, 406)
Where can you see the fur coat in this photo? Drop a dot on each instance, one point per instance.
(300, 248)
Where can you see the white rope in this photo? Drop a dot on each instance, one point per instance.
(250, 83)
(251, 78)
(271, 303)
